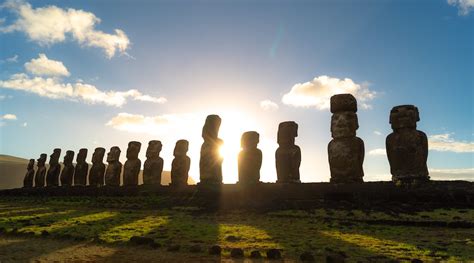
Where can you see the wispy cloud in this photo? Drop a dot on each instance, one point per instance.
(464, 6)
(13, 59)
(452, 174)
(43, 66)
(378, 152)
(268, 105)
(377, 133)
(317, 92)
(8, 116)
(445, 143)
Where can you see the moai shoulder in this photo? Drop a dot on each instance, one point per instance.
(30, 174)
(153, 166)
(181, 164)
(81, 169)
(288, 155)
(96, 174)
(41, 171)
(132, 166)
(250, 158)
(68, 170)
(114, 167)
(52, 176)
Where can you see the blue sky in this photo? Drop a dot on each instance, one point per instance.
(68, 79)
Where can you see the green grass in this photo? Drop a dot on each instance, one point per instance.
(115, 220)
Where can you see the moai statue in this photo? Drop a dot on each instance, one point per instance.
(30, 174)
(132, 166)
(82, 167)
(346, 150)
(52, 176)
(288, 155)
(153, 166)
(250, 158)
(180, 165)
(96, 174)
(114, 169)
(210, 163)
(40, 171)
(68, 170)
(407, 148)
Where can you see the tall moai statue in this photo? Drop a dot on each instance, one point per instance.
(407, 148)
(346, 150)
(30, 174)
(52, 176)
(114, 169)
(210, 163)
(181, 164)
(288, 154)
(153, 166)
(40, 171)
(250, 158)
(96, 174)
(68, 170)
(132, 166)
(81, 169)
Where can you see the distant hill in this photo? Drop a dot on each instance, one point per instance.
(13, 169)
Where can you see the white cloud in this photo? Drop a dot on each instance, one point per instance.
(43, 66)
(444, 143)
(464, 6)
(268, 105)
(317, 92)
(56, 89)
(51, 24)
(8, 116)
(452, 174)
(378, 152)
(377, 133)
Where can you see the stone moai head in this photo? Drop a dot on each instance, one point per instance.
(133, 150)
(343, 102)
(287, 132)
(114, 154)
(69, 157)
(81, 156)
(42, 159)
(31, 164)
(249, 140)
(181, 148)
(98, 155)
(154, 149)
(54, 157)
(344, 124)
(210, 131)
(404, 116)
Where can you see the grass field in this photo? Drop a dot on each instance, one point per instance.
(186, 233)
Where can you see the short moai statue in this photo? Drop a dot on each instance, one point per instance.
(68, 170)
(30, 174)
(250, 158)
(210, 162)
(407, 148)
(96, 174)
(40, 171)
(132, 166)
(153, 166)
(181, 164)
(346, 150)
(114, 169)
(81, 169)
(288, 154)
(52, 176)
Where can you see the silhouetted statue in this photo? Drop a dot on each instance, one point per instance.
(210, 163)
(114, 169)
(30, 174)
(52, 176)
(132, 166)
(40, 171)
(407, 148)
(96, 174)
(180, 165)
(68, 170)
(250, 158)
(81, 169)
(345, 151)
(153, 166)
(288, 155)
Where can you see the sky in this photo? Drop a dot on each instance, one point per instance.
(87, 74)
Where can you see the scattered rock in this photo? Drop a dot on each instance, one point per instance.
(232, 238)
(44, 233)
(215, 250)
(255, 254)
(195, 249)
(273, 254)
(237, 253)
(174, 248)
(306, 256)
(138, 240)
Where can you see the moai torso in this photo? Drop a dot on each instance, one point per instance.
(96, 174)
(81, 169)
(407, 148)
(68, 170)
(30, 174)
(114, 169)
(52, 176)
(210, 163)
(40, 171)
(153, 166)
(288, 155)
(250, 159)
(181, 164)
(132, 166)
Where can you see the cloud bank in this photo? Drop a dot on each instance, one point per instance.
(8, 116)
(444, 143)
